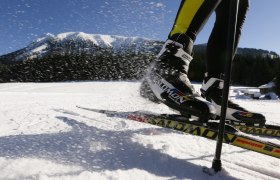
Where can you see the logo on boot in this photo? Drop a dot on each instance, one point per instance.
(173, 93)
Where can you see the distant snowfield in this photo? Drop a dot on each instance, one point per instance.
(44, 136)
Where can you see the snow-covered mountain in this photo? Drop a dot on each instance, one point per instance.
(81, 56)
(81, 43)
(77, 43)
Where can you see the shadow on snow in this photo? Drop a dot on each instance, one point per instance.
(96, 149)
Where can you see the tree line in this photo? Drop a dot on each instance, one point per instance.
(247, 70)
(72, 67)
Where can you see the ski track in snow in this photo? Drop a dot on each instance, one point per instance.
(44, 136)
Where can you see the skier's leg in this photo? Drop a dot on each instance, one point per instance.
(190, 19)
(167, 77)
(216, 48)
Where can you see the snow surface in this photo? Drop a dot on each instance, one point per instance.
(44, 136)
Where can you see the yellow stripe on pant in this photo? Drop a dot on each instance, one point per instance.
(186, 15)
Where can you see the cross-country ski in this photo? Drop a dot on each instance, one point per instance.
(142, 89)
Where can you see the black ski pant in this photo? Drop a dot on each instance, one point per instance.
(192, 16)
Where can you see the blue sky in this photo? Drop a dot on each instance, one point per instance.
(22, 21)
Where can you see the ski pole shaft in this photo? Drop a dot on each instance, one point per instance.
(217, 164)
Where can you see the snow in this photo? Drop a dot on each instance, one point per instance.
(43, 135)
(253, 93)
(268, 85)
(98, 39)
(43, 45)
(39, 49)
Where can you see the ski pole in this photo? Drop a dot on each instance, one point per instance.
(233, 11)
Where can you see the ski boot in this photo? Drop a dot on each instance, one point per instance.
(212, 89)
(146, 91)
(167, 82)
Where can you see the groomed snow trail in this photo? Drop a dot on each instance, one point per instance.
(44, 136)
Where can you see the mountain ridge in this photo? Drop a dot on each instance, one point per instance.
(80, 42)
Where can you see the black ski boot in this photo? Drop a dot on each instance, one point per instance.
(167, 82)
(212, 89)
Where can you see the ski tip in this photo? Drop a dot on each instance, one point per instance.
(96, 110)
(90, 109)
